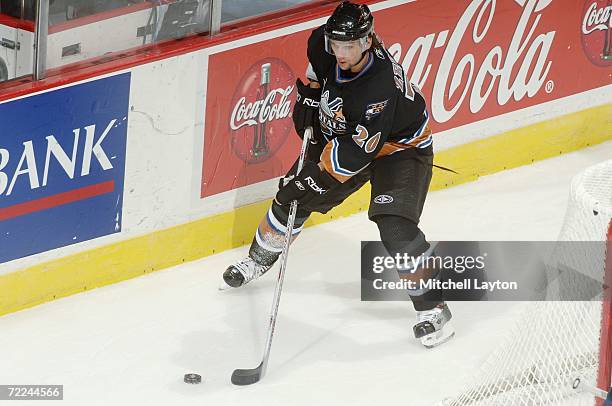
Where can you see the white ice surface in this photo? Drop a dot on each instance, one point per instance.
(131, 343)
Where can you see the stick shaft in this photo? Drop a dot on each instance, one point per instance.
(283, 258)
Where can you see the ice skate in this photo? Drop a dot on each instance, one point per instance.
(433, 327)
(242, 272)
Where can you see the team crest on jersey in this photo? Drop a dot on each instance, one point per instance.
(374, 109)
(331, 117)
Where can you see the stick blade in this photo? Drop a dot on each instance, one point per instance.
(247, 376)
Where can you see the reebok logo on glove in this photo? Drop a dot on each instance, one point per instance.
(310, 182)
(313, 185)
(311, 103)
(306, 108)
(307, 101)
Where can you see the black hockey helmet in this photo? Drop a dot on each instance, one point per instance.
(349, 22)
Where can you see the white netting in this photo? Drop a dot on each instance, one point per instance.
(555, 341)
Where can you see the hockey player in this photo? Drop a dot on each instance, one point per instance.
(370, 124)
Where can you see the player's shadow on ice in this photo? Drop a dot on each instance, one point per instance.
(297, 345)
(236, 340)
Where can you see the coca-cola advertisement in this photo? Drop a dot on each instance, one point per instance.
(249, 134)
(479, 59)
(596, 31)
(260, 120)
(472, 59)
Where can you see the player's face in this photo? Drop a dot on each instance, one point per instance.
(347, 53)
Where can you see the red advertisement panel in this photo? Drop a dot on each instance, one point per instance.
(472, 59)
(249, 127)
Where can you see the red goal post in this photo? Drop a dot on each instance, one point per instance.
(604, 379)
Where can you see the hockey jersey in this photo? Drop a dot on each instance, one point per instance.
(364, 116)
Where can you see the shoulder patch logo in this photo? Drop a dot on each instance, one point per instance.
(383, 199)
(379, 53)
(374, 109)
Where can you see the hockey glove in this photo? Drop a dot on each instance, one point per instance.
(306, 109)
(308, 184)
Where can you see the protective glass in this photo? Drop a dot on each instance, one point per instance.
(346, 48)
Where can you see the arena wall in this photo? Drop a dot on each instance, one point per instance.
(109, 171)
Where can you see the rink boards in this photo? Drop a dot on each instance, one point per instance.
(116, 170)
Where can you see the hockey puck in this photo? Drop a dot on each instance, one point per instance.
(192, 378)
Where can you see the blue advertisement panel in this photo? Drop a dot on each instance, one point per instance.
(62, 166)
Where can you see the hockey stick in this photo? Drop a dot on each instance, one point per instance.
(250, 376)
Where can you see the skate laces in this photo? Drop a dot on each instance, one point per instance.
(250, 269)
(429, 315)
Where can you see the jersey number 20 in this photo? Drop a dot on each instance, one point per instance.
(363, 140)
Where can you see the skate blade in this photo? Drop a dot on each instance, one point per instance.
(224, 286)
(439, 337)
(438, 342)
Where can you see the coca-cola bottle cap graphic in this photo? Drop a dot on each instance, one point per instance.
(260, 115)
(596, 19)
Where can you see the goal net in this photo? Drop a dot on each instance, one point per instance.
(557, 341)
